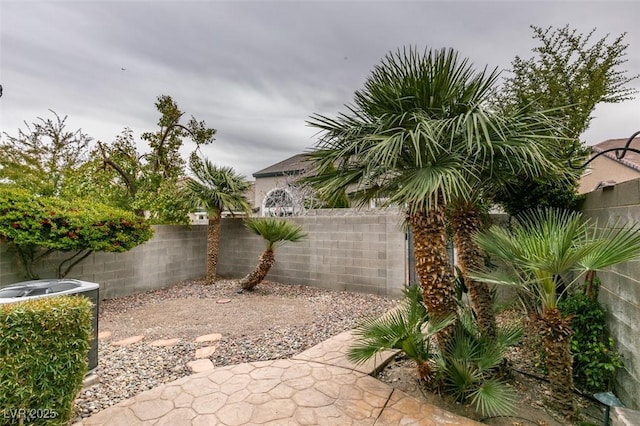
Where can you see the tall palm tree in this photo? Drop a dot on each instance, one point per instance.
(548, 247)
(466, 222)
(416, 136)
(216, 188)
(275, 232)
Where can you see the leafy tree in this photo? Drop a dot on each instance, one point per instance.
(418, 136)
(216, 189)
(547, 248)
(568, 76)
(41, 157)
(275, 232)
(146, 183)
(37, 226)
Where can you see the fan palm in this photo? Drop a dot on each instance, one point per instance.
(216, 189)
(275, 232)
(417, 136)
(465, 222)
(469, 365)
(548, 247)
(405, 328)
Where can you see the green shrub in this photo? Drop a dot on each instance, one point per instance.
(43, 352)
(595, 358)
(38, 225)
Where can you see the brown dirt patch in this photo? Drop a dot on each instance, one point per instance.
(191, 317)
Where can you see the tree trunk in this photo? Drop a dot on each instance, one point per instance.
(556, 340)
(213, 242)
(266, 261)
(433, 267)
(466, 222)
(424, 370)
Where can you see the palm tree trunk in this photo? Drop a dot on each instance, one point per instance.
(266, 261)
(556, 340)
(433, 267)
(424, 370)
(213, 243)
(465, 223)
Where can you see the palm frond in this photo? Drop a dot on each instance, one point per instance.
(494, 398)
(275, 231)
(216, 188)
(612, 245)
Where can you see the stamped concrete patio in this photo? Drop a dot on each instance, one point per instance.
(319, 386)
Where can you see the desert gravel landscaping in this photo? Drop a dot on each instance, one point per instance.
(275, 321)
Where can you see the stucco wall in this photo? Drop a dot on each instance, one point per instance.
(620, 290)
(263, 185)
(603, 169)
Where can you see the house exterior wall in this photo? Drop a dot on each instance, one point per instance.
(603, 169)
(263, 185)
(620, 289)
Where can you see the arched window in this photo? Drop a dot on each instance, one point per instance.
(278, 202)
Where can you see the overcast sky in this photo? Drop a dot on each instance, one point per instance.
(257, 70)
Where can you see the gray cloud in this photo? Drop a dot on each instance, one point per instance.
(256, 70)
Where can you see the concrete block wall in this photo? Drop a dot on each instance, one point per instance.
(175, 253)
(620, 290)
(344, 251)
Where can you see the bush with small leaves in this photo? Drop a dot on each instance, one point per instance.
(43, 348)
(37, 226)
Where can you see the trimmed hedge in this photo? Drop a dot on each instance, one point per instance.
(43, 358)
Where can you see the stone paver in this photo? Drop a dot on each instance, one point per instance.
(104, 335)
(128, 341)
(403, 409)
(318, 387)
(164, 342)
(334, 352)
(200, 365)
(205, 352)
(271, 393)
(213, 337)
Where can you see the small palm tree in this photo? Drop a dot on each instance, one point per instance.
(544, 249)
(471, 362)
(275, 233)
(406, 328)
(466, 367)
(216, 189)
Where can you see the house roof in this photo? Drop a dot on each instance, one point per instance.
(292, 165)
(631, 159)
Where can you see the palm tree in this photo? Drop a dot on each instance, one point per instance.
(470, 364)
(465, 222)
(275, 233)
(216, 189)
(465, 368)
(547, 248)
(406, 328)
(416, 137)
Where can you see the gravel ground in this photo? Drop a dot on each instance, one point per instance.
(275, 321)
